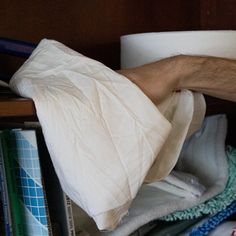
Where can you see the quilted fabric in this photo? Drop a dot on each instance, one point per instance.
(102, 132)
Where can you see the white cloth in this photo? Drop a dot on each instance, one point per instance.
(102, 132)
(185, 111)
(203, 155)
(181, 184)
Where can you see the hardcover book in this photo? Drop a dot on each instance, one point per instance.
(29, 210)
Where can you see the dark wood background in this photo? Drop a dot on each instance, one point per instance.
(94, 27)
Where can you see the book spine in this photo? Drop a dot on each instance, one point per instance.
(50, 230)
(69, 215)
(5, 197)
(31, 192)
(16, 47)
(18, 227)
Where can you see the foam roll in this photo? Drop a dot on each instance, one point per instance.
(139, 49)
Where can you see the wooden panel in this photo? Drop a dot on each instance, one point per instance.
(219, 106)
(16, 107)
(218, 14)
(93, 27)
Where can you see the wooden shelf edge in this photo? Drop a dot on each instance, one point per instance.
(17, 107)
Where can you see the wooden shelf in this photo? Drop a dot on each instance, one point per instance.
(16, 107)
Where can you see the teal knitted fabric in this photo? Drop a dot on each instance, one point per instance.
(217, 203)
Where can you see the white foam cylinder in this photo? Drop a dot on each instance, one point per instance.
(139, 49)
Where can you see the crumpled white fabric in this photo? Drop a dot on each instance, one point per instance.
(102, 132)
(181, 184)
(185, 111)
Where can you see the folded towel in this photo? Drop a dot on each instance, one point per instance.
(200, 226)
(217, 203)
(102, 132)
(203, 156)
(168, 229)
(205, 226)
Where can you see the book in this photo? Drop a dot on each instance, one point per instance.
(69, 215)
(2, 231)
(59, 204)
(4, 196)
(16, 47)
(31, 216)
(17, 221)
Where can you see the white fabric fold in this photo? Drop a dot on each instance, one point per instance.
(185, 111)
(180, 184)
(203, 155)
(102, 132)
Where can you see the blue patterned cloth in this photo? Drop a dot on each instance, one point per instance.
(217, 203)
(212, 222)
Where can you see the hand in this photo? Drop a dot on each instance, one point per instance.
(157, 80)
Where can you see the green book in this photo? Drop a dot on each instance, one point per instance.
(16, 207)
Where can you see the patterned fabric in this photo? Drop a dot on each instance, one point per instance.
(217, 203)
(214, 221)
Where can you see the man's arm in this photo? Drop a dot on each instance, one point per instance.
(209, 75)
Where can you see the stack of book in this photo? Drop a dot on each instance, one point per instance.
(33, 203)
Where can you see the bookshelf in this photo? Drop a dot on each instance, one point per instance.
(17, 110)
(16, 107)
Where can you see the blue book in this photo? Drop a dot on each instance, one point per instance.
(29, 183)
(16, 47)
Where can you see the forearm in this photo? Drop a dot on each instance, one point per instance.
(209, 75)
